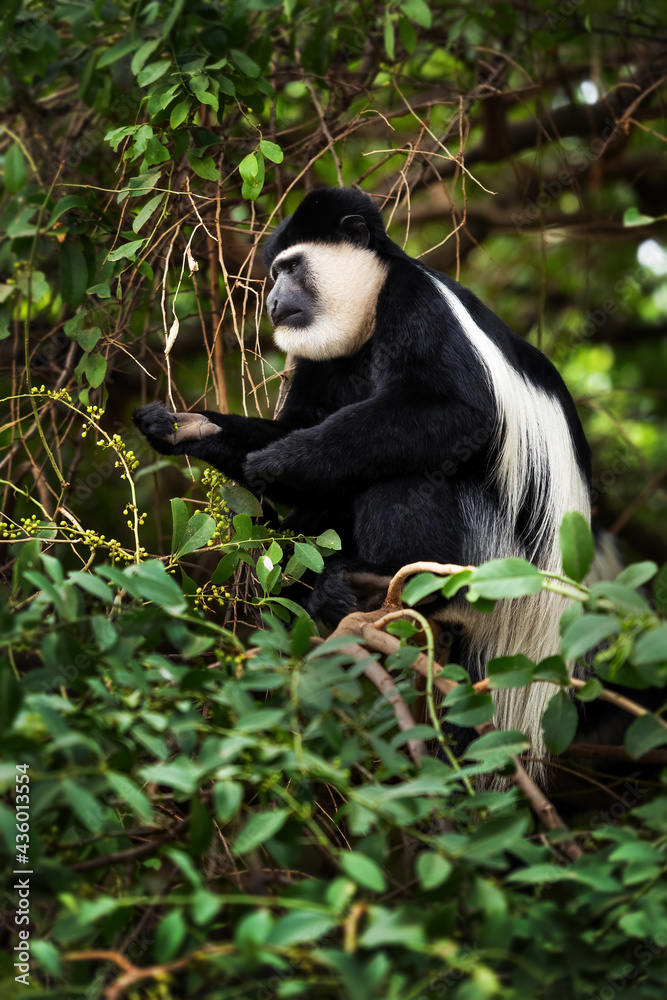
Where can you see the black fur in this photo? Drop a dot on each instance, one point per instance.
(392, 447)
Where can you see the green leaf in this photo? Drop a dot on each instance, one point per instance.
(156, 152)
(302, 926)
(180, 518)
(240, 500)
(65, 204)
(169, 936)
(651, 647)
(155, 584)
(127, 250)
(452, 584)
(146, 77)
(577, 545)
(309, 556)
(180, 774)
(506, 578)
(251, 169)
(467, 708)
(394, 927)
(263, 569)
(242, 526)
(292, 606)
(254, 928)
(116, 52)
(101, 289)
(553, 668)
(11, 695)
(206, 98)
(104, 633)
(510, 671)
(403, 629)
(496, 748)
(586, 633)
(115, 136)
(179, 113)
(590, 691)
(329, 539)
(660, 590)
(389, 36)
(88, 339)
(494, 836)
(204, 167)
(559, 722)
(85, 806)
(174, 13)
(92, 585)
(408, 35)
(199, 83)
(636, 852)
(260, 827)
(73, 273)
(15, 168)
(418, 11)
(421, 586)
(142, 54)
(48, 956)
(227, 799)
(226, 86)
(637, 574)
(363, 870)
(146, 212)
(432, 869)
(247, 65)
(271, 151)
(633, 217)
(625, 598)
(133, 796)
(199, 529)
(643, 734)
(95, 368)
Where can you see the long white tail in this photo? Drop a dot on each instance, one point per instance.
(536, 461)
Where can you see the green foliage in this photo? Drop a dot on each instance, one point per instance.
(147, 729)
(281, 838)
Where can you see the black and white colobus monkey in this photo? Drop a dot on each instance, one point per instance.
(417, 425)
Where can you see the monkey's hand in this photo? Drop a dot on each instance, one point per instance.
(169, 433)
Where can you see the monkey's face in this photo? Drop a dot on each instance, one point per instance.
(324, 297)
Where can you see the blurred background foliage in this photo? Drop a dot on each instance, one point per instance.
(518, 146)
(256, 830)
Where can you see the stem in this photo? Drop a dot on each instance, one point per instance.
(430, 700)
(26, 332)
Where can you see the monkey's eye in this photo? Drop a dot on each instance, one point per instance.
(288, 266)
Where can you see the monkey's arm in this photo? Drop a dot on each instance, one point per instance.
(379, 438)
(220, 439)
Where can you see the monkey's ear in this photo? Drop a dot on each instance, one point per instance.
(355, 227)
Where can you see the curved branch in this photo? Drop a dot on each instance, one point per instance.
(393, 598)
(481, 687)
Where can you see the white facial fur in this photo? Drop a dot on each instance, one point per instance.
(348, 280)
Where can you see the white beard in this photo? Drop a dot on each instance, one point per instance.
(349, 280)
